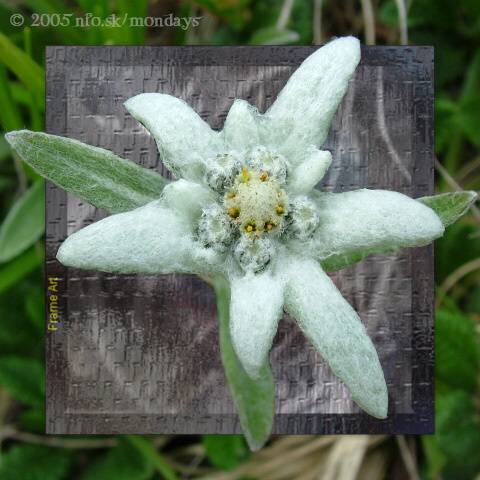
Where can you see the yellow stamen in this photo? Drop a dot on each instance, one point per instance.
(234, 212)
(269, 226)
(264, 176)
(245, 175)
(250, 228)
(280, 210)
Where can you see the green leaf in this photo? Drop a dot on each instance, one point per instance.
(468, 118)
(445, 111)
(450, 206)
(126, 34)
(337, 262)
(274, 36)
(26, 69)
(47, 6)
(25, 222)
(233, 11)
(254, 399)
(22, 96)
(120, 463)
(435, 458)
(301, 21)
(471, 85)
(32, 420)
(473, 302)
(5, 183)
(34, 462)
(448, 255)
(153, 456)
(388, 13)
(35, 308)
(5, 151)
(36, 119)
(10, 118)
(23, 378)
(461, 117)
(18, 336)
(18, 268)
(94, 174)
(225, 451)
(457, 351)
(450, 66)
(458, 435)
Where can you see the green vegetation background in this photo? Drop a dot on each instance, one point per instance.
(452, 27)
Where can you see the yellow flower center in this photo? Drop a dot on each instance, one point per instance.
(256, 202)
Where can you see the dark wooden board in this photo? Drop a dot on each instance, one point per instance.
(139, 354)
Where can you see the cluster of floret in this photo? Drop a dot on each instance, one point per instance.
(254, 210)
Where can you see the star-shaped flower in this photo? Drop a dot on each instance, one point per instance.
(244, 209)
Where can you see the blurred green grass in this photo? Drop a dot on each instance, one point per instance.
(452, 27)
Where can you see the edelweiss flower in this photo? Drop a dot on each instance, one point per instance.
(244, 208)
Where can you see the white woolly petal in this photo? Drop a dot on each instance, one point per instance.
(152, 239)
(187, 198)
(302, 113)
(310, 171)
(240, 130)
(370, 221)
(255, 308)
(337, 333)
(184, 140)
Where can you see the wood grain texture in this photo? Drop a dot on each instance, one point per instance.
(139, 354)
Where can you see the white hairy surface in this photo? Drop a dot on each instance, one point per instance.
(337, 332)
(152, 239)
(187, 198)
(262, 159)
(370, 220)
(303, 111)
(254, 253)
(255, 308)
(220, 171)
(303, 218)
(215, 229)
(240, 130)
(309, 171)
(183, 138)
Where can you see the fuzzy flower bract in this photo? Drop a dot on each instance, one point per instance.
(244, 208)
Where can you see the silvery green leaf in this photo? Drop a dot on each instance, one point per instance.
(240, 130)
(361, 222)
(311, 168)
(25, 222)
(256, 305)
(254, 399)
(184, 140)
(93, 174)
(187, 199)
(450, 206)
(152, 239)
(337, 332)
(302, 113)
